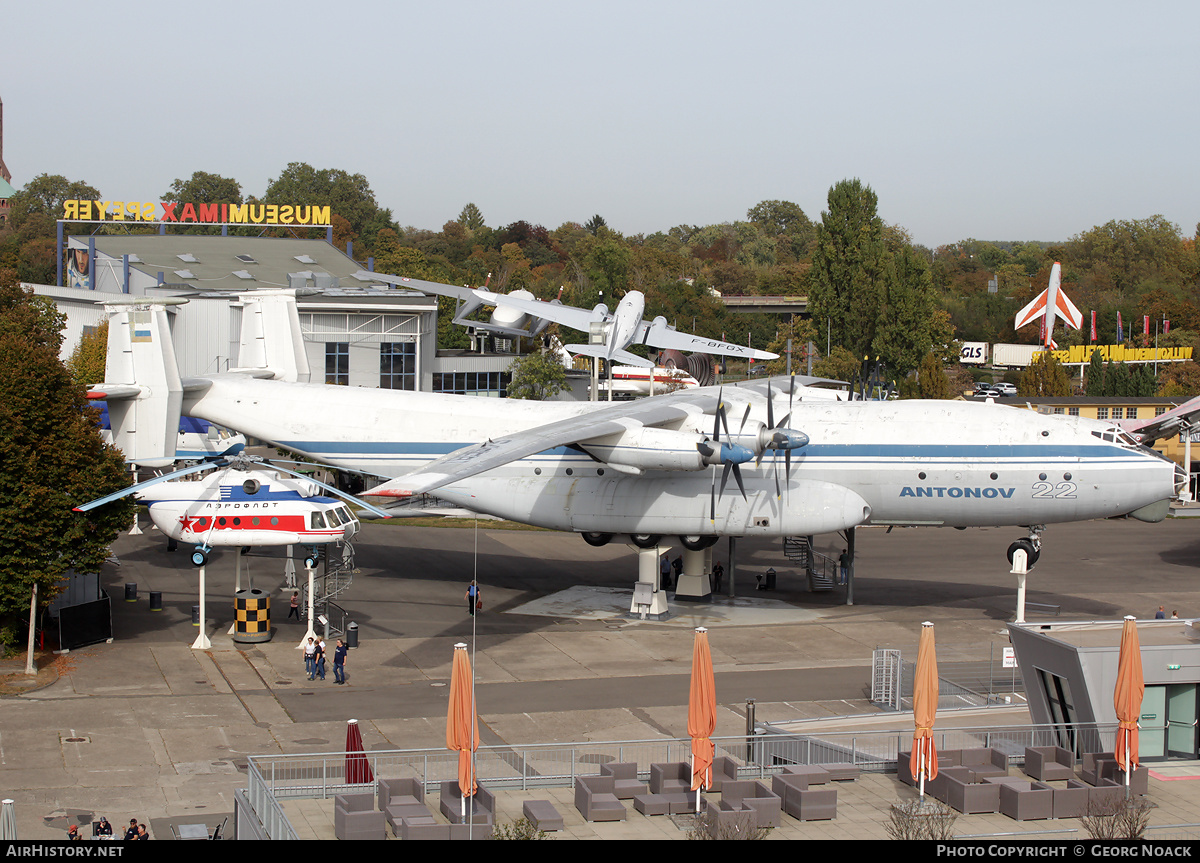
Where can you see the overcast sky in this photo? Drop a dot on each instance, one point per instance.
(996, 121)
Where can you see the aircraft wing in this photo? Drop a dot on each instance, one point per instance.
(576, 319)
(657, 334)
(611, 419)
(1165, 425)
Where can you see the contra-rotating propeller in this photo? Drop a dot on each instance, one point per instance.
(729, 454)
(782, 438)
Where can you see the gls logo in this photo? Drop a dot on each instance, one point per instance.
(972, 352)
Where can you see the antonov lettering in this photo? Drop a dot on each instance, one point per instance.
(956, 491)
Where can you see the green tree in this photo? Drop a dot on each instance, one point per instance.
(931, 378)
(347, 195)
(847, 266)
(88, 360)
(205, 188)
(537, 377)
(1044, 378)
(470, 218)
(51, 460)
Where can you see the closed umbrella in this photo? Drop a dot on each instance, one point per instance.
(8, 821)
(358, 769)
(702, 713)
(923, 762)
(1127, 697)
(462, 725)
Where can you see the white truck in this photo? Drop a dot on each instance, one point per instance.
(1014, 356)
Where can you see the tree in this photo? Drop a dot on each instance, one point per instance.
(847, 266)
(347, 195)
(87, 362)
(1044, 378)
(537, 377)
(594, 224)
(470, 218)
(51, 460)
(205, 188)
(932, 378)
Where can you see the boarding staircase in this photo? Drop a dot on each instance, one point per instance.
(820, 569)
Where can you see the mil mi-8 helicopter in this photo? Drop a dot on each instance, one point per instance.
(245, 502)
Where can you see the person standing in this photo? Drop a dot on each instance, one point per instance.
(472, 597)
(664, 569)
(294, 609)
(310, 657)
(718, 576)
(1161, 614)
(320, 658)
(339, 662)
(844, 565)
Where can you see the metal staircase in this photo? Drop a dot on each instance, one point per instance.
(336, 574)
(821, 570)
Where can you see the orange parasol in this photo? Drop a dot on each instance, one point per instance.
(462, 725)
(702, 711)
(358, 769)
(923, 762)
(1127, 697)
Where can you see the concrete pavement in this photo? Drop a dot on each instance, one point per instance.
(146, 727)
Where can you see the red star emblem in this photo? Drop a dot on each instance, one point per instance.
(187, 521)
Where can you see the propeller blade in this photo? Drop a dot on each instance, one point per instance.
(134, 489)
(770, 408)
(335, 492)
(737, 474)
(712, 500)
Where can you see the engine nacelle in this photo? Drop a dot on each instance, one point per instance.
(662, 449)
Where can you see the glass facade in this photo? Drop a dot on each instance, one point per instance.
(398, 365)
(494, 384)
(337, 363)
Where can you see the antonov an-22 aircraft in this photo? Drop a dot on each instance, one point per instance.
(801, 462)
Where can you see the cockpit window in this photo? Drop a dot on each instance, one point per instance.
(345, 514)
(334, 521)
(316, 520)
(1117, 435)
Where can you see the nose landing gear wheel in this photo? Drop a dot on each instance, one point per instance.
(1031, 553)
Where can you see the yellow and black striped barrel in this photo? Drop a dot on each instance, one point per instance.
(252, 616)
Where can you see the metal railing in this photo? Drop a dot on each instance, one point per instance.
(281, 777)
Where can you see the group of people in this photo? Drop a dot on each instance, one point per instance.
(103, 830)
(314, 659)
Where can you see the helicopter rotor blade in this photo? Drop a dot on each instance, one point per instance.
(336, 492)
(134, 489)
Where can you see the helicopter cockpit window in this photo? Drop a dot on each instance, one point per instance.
(334, 521)
(345, 514)
(316, 520)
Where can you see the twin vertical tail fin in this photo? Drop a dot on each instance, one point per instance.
(271, 342)
(142, 384)
(142, 387)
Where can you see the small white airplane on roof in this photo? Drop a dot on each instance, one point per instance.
(622, 327)
(1050, 304)
(647, 469)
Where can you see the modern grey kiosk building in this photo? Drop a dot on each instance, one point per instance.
(1070, 670)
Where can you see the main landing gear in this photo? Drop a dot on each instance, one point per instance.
(200, 554)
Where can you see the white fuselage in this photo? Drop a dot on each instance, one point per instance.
(905, 462)
(247, 509)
